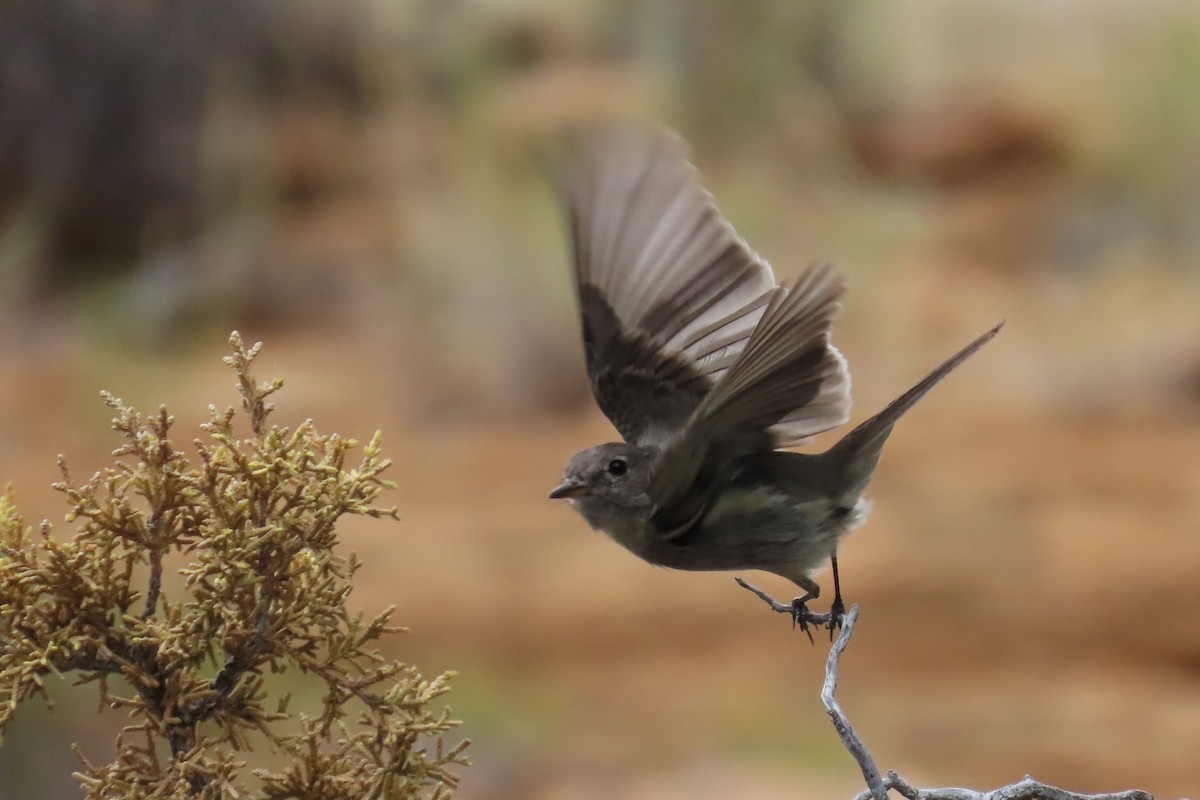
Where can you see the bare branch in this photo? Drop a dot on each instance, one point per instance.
(845, 731)
(877, 787)
(1028, 789)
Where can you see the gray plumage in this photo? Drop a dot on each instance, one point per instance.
(707, 367)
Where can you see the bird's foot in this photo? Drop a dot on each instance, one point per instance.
(803, 617)
(837, 614)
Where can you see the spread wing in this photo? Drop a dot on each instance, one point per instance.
(668, 293)
(787, 377)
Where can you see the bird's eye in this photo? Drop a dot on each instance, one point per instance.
(618, 467)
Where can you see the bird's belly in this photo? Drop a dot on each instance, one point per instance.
(758, 529)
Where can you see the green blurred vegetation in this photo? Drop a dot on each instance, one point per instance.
(168, 170)
(246, 157)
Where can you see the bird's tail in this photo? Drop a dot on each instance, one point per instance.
(853, 459)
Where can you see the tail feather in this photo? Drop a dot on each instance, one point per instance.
(854, 457)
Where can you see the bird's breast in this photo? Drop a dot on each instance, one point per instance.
(627, 527)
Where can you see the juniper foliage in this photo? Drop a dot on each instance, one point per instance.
(261, 588)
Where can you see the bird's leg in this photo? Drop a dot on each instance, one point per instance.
(838, 610)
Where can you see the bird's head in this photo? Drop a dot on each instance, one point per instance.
(607, 480)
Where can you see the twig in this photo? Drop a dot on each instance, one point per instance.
(877, 791)
(877, 787)
(1028, 789)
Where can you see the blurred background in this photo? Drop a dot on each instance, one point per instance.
(357, 184)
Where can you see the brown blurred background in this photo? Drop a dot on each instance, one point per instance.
(357, 185)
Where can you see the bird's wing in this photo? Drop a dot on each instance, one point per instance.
(668, 292)
(788, 381)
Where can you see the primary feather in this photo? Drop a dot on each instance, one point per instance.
(670, 297)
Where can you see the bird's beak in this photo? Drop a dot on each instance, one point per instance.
(569, 489)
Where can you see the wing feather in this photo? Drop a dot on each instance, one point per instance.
(674, 303)
(665, 275)
(788, 381)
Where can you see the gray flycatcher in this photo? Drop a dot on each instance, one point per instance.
(707, 367)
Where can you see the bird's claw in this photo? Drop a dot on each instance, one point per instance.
(806, 619)
(803, 618)
(837, 613)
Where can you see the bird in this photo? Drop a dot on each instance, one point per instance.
(709, 370)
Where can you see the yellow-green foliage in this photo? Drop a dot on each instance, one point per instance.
(252, 520)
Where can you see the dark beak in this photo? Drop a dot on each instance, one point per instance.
(569, 489)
